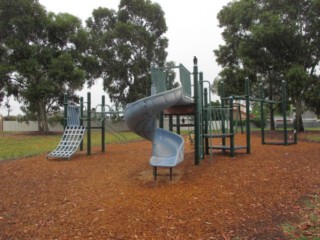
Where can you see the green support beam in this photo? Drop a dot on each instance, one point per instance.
(65, 110)
(81, 120)
(284, 112)
(103, 103)
(262, 113)
(247, 95)
(89, 124)
(196, 116)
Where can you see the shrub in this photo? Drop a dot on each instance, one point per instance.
(257, 122)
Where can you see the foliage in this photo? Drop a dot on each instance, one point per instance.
(41, 56)
(312, 99)
(237, 122)
(127, 43)
(269, 41)
(56, 119)
(171, 75)
(215, 103)
(10, 118)
(257, 122)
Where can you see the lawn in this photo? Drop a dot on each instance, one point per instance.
(15, 145)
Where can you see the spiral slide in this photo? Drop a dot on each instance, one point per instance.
(140, 116)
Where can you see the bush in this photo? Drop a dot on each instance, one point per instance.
(257, 122)
(10, 118)
(56, 119)
(239, 123)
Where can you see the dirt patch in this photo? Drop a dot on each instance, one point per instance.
(113, 195)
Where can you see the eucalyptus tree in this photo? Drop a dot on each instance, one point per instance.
(42, 55)
(271, 41)
(127, 42)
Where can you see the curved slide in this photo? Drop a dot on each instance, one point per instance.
(140, 116)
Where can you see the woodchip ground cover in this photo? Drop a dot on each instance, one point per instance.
(112, 195)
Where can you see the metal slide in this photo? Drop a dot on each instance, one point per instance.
(72, 136)
(140, 116)
(69, 142)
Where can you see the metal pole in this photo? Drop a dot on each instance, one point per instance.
(161, 119)
(81, 120)
(247, 96)
(200, 113)
(170, 123)
(65, 110)
(196, 115)
(102, 124)
(178, 123)
(262, 113)
(223, 128)
(206, 119)
(284, 110)
(231, 131)
(89, 124)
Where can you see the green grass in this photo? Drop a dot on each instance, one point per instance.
(313, 138)
(17, 145)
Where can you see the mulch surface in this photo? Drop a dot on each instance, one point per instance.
(113, 195)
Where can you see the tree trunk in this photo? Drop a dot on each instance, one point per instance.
(39, 123)
(43, 118)
(298, 117)
(272, 125)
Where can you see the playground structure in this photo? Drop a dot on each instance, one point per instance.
(208, 122)
(74, 126)
(248, 99)
(284, 118)
(167, 147)
(140, 116)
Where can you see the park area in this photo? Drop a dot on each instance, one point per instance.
(272, 193)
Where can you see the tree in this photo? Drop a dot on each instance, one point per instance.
(171, 81)
(8, 106)
(273, 41)
(42, 56)
(127, 43)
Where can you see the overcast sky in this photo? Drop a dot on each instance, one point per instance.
(192, 31)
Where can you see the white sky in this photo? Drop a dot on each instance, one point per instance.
(192, 31)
